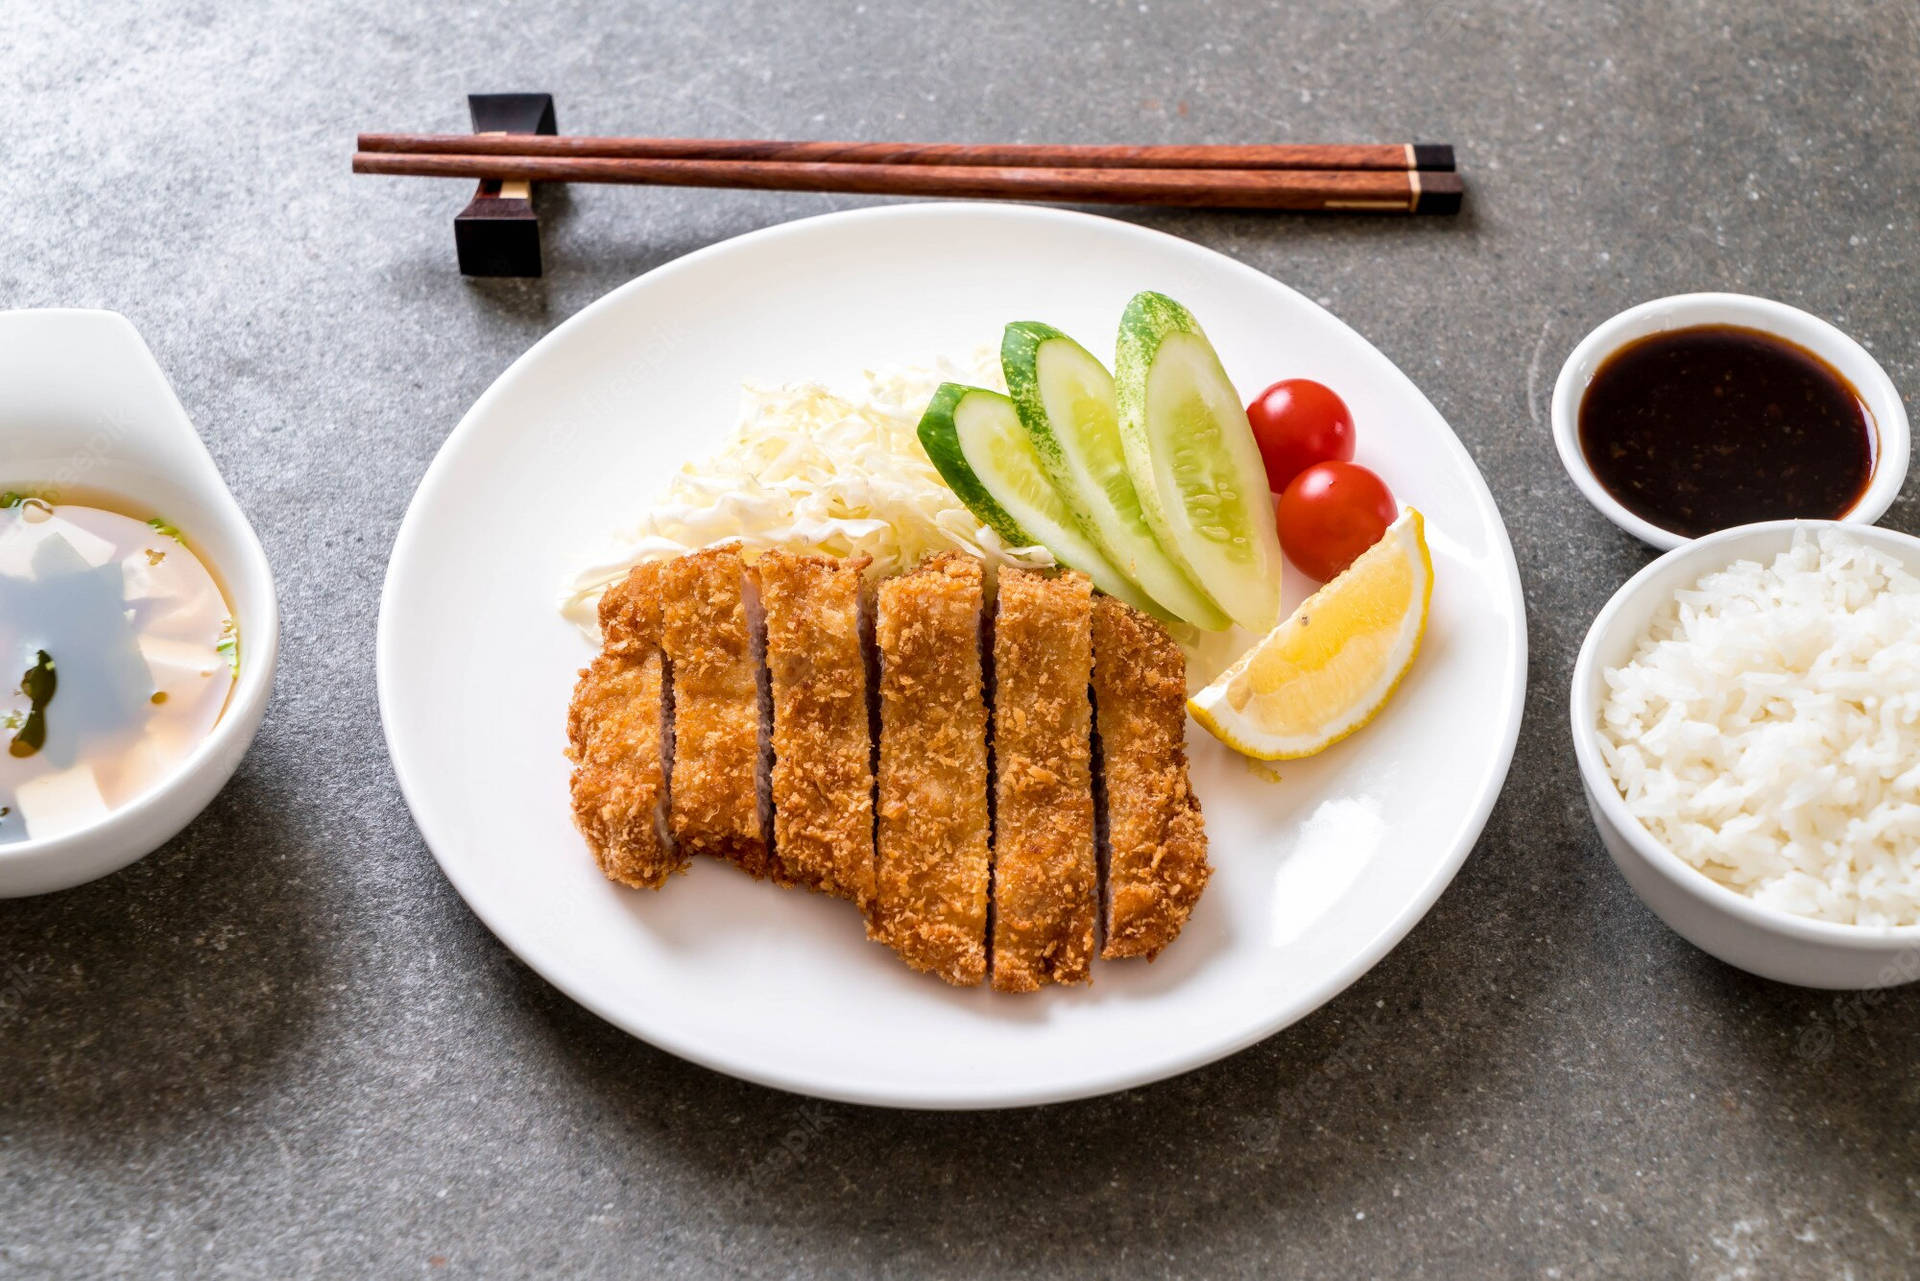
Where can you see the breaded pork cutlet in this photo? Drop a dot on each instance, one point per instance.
(930, 900)
(822, 742)
(1156, 842)
(717, 800)
(1045, 881)
(617, 739)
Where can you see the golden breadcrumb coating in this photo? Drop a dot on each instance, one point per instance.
(930, 900)
(1045, 881)
(714, 800)
(616, 729)
(1157, 843)
(822, 742)
(670, 727)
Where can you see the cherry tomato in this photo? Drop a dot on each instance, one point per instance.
(1330, 514)
(1298, 422)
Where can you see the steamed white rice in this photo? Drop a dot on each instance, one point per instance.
(1767, 730)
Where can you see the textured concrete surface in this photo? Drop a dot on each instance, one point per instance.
(282, 1046)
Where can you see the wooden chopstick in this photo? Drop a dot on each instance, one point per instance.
(1309, 190)
(1320, 156)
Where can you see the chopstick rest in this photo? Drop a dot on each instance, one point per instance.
(498, 233)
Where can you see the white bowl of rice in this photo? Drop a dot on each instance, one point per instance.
(1746, 714)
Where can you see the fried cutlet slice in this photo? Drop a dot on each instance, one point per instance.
(930, 900)
(822, 741)
(718, 795)
(618, 739)
(1156, 841)
(1045, 882)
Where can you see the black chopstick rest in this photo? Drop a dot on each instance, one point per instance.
(498, 233)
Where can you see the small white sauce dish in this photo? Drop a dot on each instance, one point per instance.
(1683, 311)
(1759, 939)
(83, 404)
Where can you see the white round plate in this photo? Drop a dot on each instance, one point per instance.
(1317, 874)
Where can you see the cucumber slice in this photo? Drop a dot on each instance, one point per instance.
(1194, 462)
(975, 441)
(1066, 403)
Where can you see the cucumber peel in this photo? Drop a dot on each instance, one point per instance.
(974, 438)
(1193, 460)
(1065, 399)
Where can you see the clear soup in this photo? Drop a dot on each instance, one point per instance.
(117, 653)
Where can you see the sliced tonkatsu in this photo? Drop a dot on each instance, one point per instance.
(1157, 843)
(617, 733)
(822, 741)
(930, 894)
(1045, 881)
(717, 800)
(1003, 792)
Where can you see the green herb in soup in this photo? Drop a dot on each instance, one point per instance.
(38, 685)
(117, 654)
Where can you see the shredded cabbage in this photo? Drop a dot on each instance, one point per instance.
(815, 470)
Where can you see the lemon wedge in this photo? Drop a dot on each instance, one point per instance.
(1331, 666)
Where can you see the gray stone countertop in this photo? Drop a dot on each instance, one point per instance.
(282, 1046)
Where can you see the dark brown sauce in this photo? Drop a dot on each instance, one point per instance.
(1712, 426)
